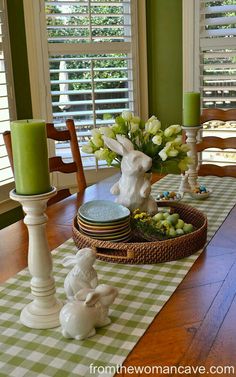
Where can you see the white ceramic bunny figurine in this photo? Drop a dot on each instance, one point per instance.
(82, 275)
(90, 309)
(134, 187)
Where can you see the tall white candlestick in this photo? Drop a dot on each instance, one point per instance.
(43, 311)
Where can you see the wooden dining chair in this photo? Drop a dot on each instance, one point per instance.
(217, 142)
(56, 164)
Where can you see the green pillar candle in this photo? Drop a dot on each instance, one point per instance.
(191, 113)
(30, 157)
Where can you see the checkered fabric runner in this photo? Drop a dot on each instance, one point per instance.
(143, 290)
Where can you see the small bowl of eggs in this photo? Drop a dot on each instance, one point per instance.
(169, 197)
(200, 192)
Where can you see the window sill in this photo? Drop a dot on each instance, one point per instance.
(7, 205)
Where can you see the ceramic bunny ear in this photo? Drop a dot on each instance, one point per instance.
(114, 145)
(107, 293)
(127, 144)
(92, 298)
(85, 252)
(83, 293)
(69, 260)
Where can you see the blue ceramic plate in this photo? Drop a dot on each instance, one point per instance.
(103, 211)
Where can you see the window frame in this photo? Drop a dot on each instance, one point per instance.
(5, 201)
(39, 70)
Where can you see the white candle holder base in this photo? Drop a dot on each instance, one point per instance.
(191, 140)
(43, 311)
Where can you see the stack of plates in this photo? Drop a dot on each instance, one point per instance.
(105, 220)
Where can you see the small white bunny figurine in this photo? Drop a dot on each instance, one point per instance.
(184, 184)
(90, 309)
(82, 275)
(134, 187)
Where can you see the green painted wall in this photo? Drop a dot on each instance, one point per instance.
(164, 33)
(21, 81)
(19, 58)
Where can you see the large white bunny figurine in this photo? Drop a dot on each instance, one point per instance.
(134, 187)
(89, 310)
(82, 275)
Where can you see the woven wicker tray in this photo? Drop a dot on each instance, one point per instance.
(151, 252)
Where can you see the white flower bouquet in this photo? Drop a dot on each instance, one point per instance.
(165, 147)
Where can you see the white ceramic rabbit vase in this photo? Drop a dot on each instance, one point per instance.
(134, 187)
(89, 310)
(82, 275)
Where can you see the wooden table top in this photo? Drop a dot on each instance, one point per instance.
(196, 327)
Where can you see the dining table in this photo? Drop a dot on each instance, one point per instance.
(195, 327)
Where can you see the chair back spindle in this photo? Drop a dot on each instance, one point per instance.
(218, 143)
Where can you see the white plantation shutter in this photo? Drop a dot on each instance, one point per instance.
(209, 35)
(218, 53)
(7, 110)
(92, 67)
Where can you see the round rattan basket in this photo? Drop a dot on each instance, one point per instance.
(150, 252)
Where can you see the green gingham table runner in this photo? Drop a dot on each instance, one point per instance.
(143, 290)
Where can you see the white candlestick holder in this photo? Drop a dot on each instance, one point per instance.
(191, 182)
(43, 311)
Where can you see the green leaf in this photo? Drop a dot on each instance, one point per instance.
(107, 116)
(169, 166)
(150, 149)
(119, 120)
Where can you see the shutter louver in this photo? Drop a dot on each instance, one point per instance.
(6, 175)
(218, 53)
(90, 63)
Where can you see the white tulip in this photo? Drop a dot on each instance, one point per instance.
(107, 131)
(163, 154)
(87, 148)
(184, 148)
(168, 132)
(133, 127)
(176, 128)
(157, 139)
(178, 140)
(172, 152)
(153, 126)
(127, 115)
(153, 117)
